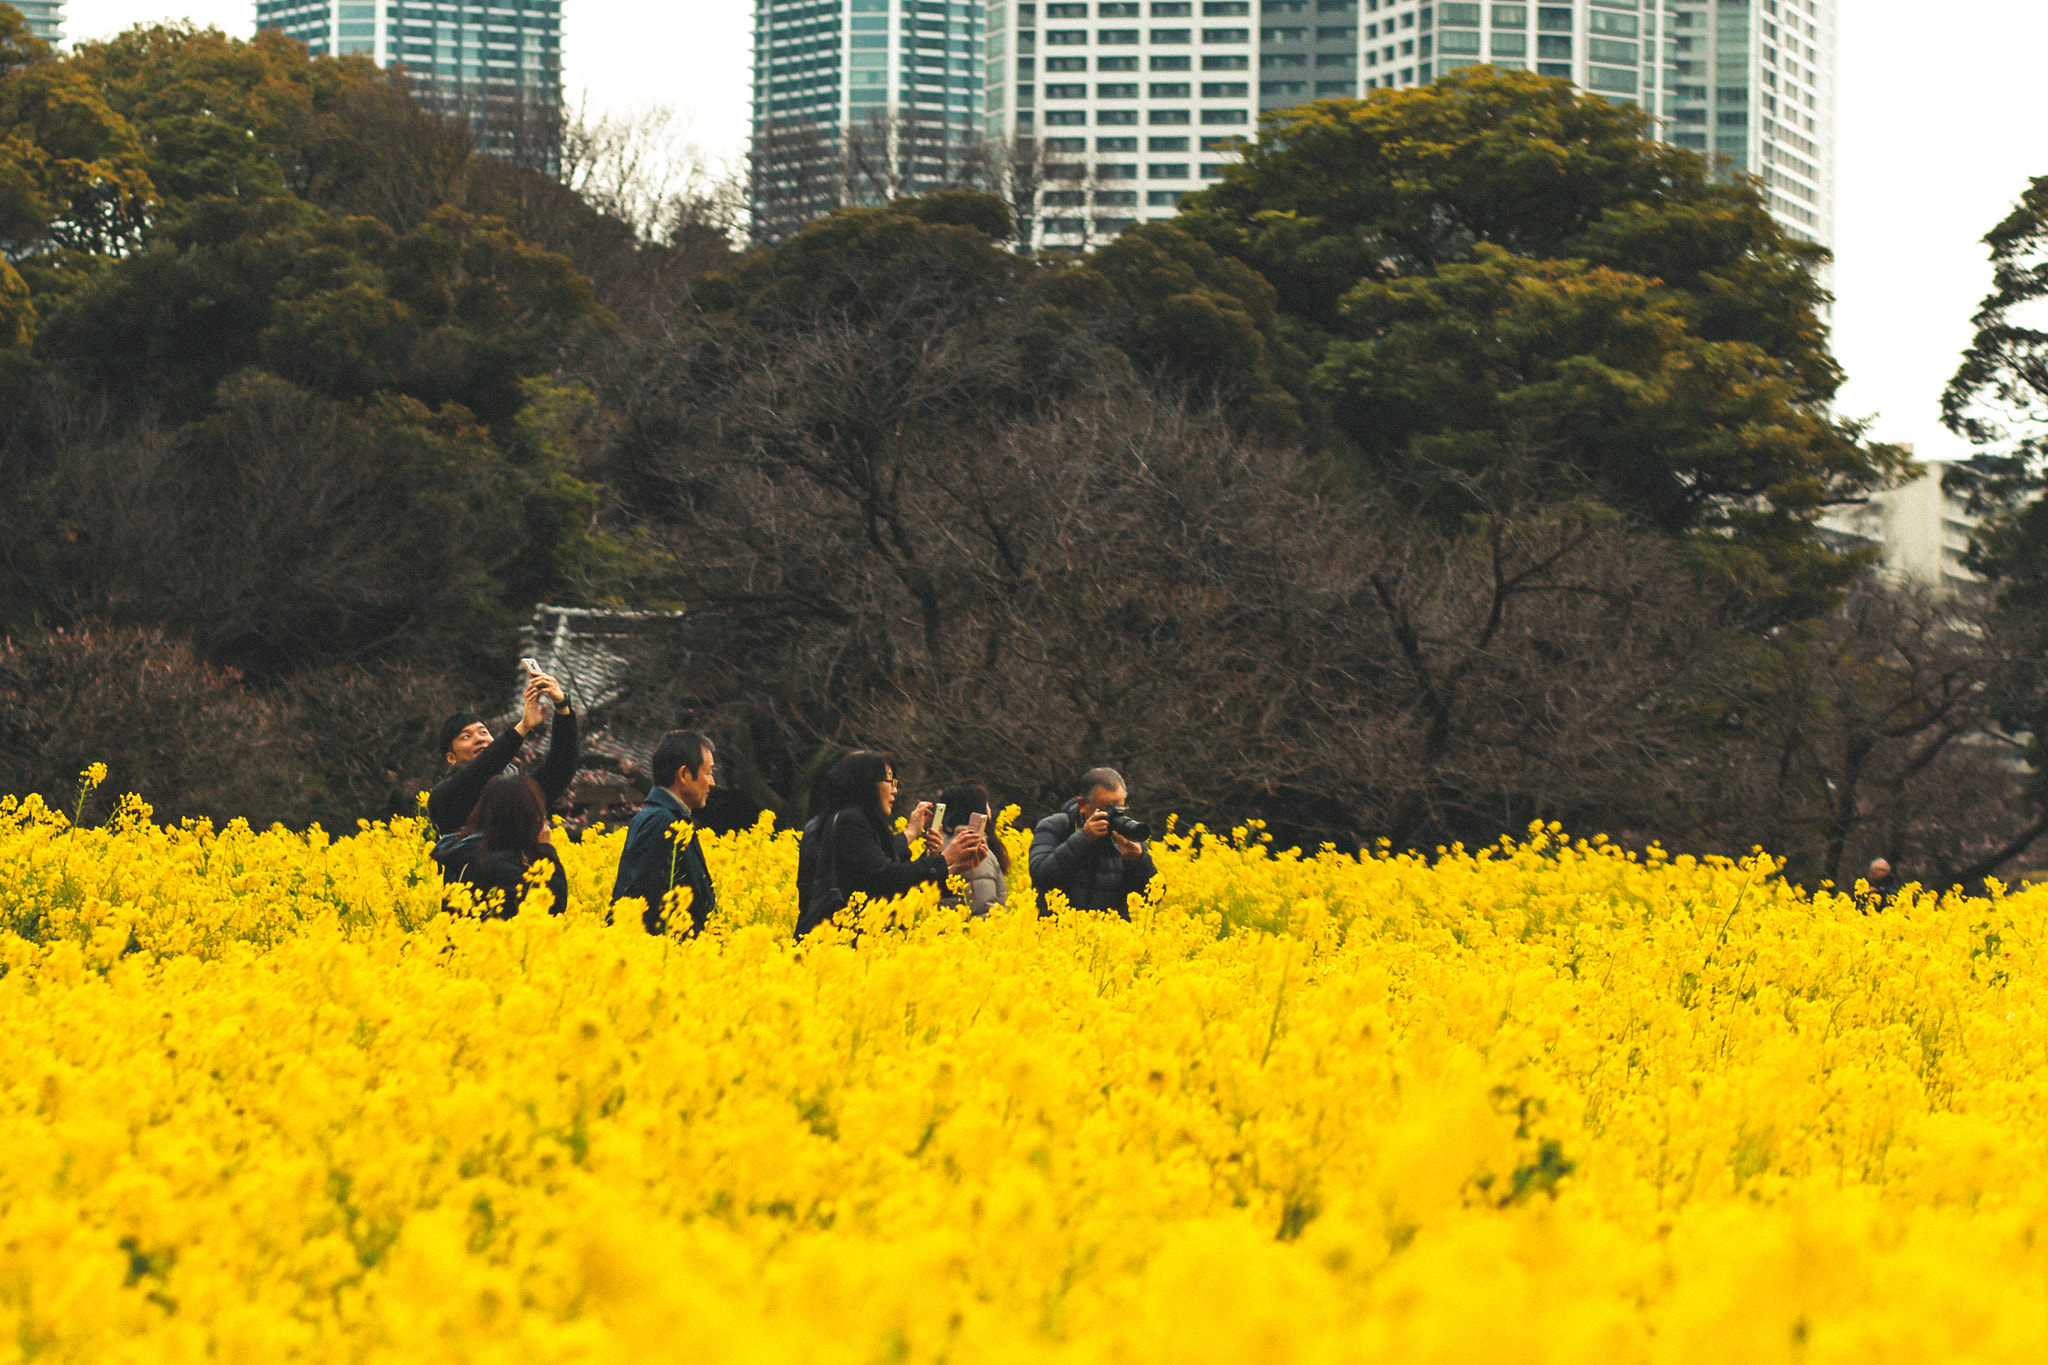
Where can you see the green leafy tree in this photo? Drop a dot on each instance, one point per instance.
(1498, 267)
(73, 171)
(1998, 400)
(459, 310)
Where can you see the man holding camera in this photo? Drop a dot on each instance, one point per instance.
(1092, 851)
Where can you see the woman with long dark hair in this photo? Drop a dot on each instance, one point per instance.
(853, 847)
(506, 835)
(988, 881)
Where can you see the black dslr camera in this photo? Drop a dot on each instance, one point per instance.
(1121, 821)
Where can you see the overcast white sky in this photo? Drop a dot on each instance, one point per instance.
(1925, 167)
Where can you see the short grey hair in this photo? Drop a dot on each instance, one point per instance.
(1101, 779)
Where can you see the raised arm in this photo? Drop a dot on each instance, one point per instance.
(864, 867)
(558, 770)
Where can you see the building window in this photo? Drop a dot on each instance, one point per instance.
(1225, 116)
(1116, 63)
(1173, 63)
(1167, 144)
(1224, 90)
(1066, 92)
(1458, 16)
(1172, 35)
(1554, 20)
(1170, 90)
(1066, 63)
(1237, 61)
(1120, 91)
(1116, 118)
(1226, 35)
(1510, 16)
(1164, 198)
(1510, 45)
(1170, 170)
(1115, 144)
(1166, 117)
(1610, 79)
(1553, 47)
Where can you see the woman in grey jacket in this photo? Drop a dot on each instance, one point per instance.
(988, 882)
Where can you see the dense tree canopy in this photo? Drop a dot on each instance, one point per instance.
(1453, 463)
(1496, 266)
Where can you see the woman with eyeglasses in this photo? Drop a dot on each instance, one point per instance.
(853, 847)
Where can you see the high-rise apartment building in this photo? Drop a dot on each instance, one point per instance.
(1125, 106)
(499, 63)
(45, 18)
(1135, 102)
(861, 99)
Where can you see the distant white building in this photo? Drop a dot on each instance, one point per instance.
(45, 18)
(1921, 531)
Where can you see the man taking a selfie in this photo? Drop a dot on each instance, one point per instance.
(1092, 851)
(474, 757)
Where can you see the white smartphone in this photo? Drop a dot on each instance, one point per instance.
(977, 820)
(939, 816)
(532, 667)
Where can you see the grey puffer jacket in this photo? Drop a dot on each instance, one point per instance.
(1091, 872)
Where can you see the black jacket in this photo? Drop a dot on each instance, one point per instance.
(654, 863)
(455, 796)
(468, 863)
(851, 850)
(1091, 872)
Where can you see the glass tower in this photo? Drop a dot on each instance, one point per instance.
(1129, 112)
(859, 100)
(498, 63)
(1751, 81)
(45, 18)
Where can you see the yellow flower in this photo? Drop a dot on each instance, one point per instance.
(1541, 1100)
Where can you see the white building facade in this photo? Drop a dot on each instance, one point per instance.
(45, 18)
(1139, 101)
(1921, 531)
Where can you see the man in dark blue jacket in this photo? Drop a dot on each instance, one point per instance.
(1077, 853)
(661, 850)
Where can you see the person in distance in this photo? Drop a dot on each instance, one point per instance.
(988, 881)
(474, 757)
(1092, 850)
(661, 850)
(506, 835)
(853, 847)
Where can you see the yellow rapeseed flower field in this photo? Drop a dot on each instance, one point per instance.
(261, 1102)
